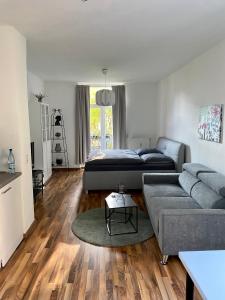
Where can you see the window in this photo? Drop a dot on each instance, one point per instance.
(101, 126)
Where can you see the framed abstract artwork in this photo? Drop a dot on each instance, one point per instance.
(211, 122)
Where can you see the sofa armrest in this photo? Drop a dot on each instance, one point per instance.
(191, 229)
(154, 178)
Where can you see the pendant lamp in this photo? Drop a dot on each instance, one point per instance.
(105, 97)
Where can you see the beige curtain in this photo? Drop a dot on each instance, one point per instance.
(119, 118)
(82, 124)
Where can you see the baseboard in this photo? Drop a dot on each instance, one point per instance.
(47, 181)
(30, 229)
(65, 169)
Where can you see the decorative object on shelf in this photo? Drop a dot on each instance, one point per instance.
(58, 120)
(59, 161)
(58, 134)
(58, 137)
(105, 97)
(11, 162)
(39, 97)
(210, 123)
(58, 147)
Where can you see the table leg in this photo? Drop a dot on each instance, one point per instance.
(105, 213)
(42, 184)
(136, 219)
(110, 216)
(189, 288)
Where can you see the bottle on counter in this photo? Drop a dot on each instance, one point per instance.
(11, 162)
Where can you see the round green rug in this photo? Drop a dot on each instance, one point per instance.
(90, 227)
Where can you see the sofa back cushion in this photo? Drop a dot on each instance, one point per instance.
(187, 181)
(206, 197)
(215, 181)
(195, 169)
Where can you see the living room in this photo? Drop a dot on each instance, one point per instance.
(114, 187)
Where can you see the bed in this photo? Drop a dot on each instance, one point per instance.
(105, 170)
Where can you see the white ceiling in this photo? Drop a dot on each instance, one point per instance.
(138, 40)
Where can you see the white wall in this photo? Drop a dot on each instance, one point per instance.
(35, 85)
(142, 110)
(14, 118)
(62, 95)
(199, 83)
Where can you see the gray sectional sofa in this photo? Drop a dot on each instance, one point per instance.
(186, 209)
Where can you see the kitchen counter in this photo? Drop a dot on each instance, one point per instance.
(6, 178)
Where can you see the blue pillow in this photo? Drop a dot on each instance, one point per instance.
(156, 157)
(146, 151)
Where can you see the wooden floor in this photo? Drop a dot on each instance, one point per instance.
(53, 264)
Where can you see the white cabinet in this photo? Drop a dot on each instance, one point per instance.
(40, 135)
(11, 222)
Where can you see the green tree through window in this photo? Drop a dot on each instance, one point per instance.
(101, 126)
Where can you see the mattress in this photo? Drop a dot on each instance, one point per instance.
(143, 167)
(112, 157)
(128, 160)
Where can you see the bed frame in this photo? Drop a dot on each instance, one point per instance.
(109, 180)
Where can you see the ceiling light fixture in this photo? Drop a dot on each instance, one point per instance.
(105, 97)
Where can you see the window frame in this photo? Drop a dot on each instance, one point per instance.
(103, 140)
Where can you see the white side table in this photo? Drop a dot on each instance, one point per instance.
(205, 270)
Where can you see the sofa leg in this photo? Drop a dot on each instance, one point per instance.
(164, 259)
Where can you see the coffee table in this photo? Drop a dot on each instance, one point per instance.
(123, 204)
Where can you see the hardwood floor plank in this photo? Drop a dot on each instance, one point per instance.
(52, 263)
(24, 285)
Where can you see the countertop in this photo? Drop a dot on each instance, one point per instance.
(6, 178)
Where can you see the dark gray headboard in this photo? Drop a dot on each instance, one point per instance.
(173, 149)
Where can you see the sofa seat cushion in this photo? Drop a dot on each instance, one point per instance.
(164, 190)
(156, 204)
(206, 197)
